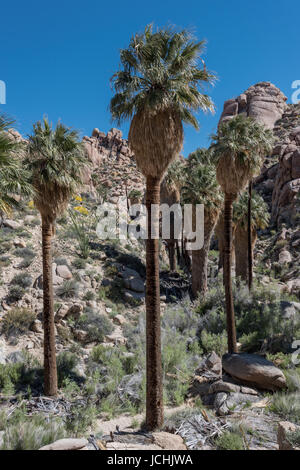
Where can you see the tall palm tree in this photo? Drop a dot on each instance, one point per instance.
(259, 220)
(157, 88)
(56, 161)
(13, 177)
(237, 150)
(201, 187)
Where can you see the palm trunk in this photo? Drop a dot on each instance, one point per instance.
(231, 331)
(241, 250)
(172, 255)
(171, 244)
(200, 258)
(250, 252)
(154, 398)
(50, 371)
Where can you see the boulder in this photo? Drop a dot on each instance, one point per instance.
(284, 428)
(168, 441)
(63, 271)
(66, 444)
(12, 224)
(255, 370)
(285, 257)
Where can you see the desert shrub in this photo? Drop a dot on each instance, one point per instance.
(259, 319)
(89, 295)
(294, 438)
(79, 263)
(23, 252)
(27, 254)
(17, 321)
(230, 441)
(68, 290)
(80, 419)
(287, 406)
(21, 376)
(80, 231)
(66, 363)
(22, 279)
(61, 261)
(97, 325)
(31, 432)
(15, 293)
(4, 260)
(213, 342)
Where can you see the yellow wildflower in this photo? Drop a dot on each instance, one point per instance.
(78, 198)
(81, 210)
(31, 204)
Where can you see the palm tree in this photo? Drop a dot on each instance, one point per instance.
(158, 89)
(264, 139)
(169, 194)
(237, 149)
(259, 220)
(13, 177)
(56, 161)
(201, 187)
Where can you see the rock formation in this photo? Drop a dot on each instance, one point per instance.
(113, 165)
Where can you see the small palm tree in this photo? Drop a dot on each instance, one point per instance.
(259, 220)
(56, 161)
(157, 88)
(238, 152)
(201, 187)
(13, 177)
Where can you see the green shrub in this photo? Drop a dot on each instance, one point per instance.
(81, 418)
(68, 290)
(21, 376)
(79, 263)
(287, 405)
(61, 261)
(90, 295)
(23, 279)
(32, 433)
(15, 293)
(294, 438)
(230, 441)
(66, 362)
(96, 325)
(17, 321)
(259, 319)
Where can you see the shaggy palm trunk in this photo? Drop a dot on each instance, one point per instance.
(231, 331)
(50, 371)
(154, 398)
(241, 250)
(250, 251)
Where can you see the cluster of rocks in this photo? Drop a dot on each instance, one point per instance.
(113, 165)
(231, 383)
(264, 102)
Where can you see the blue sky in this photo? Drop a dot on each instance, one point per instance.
(56, 58)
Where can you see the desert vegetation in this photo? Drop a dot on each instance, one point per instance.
(190, 342)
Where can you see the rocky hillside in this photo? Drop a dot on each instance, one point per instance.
(279, 181)
(114, 173)
(100, 324)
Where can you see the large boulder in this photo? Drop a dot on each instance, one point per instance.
(255, 370)
(66, 444)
